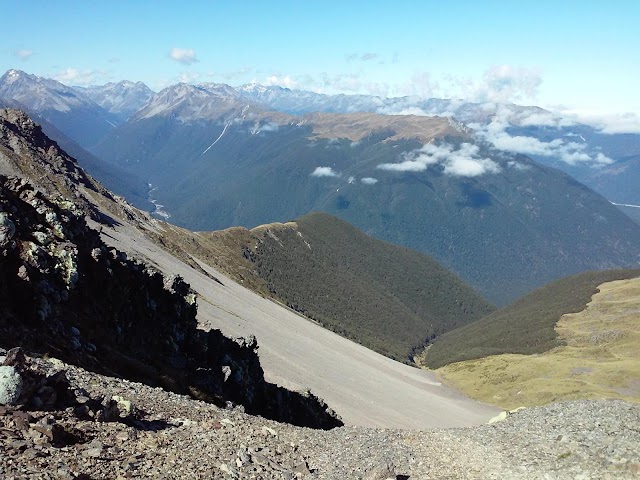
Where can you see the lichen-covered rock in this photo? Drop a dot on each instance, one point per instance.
(7, 229)
(10, 385)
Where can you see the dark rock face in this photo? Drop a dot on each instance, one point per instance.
(64, 292)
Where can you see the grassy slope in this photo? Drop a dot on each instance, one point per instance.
(385, 297)
(601, 358)
(526, 326)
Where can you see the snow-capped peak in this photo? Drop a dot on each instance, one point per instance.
(37, 93)
(122, 99)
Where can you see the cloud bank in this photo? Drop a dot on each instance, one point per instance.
(609, 123)
(183, 55)
(324, 172)
(369, 180)
(570, 152)
(462, 162)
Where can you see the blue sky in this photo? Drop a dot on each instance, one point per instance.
(564, 55)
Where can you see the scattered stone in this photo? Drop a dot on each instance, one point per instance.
(269, 431)
(383, 471)
(93, 449)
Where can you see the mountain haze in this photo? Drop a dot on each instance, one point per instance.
(216, 157)
(122, 99)
(534, 131)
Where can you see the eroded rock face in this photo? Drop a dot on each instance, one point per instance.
(65, 293)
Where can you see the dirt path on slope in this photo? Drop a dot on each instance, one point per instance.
(365, 388)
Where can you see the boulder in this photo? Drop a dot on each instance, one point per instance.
(10, 385)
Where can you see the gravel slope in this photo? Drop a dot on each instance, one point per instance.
(177, 437)
(365, 388)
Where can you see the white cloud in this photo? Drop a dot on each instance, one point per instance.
(362, 57)
(417, 111)
(605, 122)
(571, 153)
(188, 77)
(24, 54)
(421, 84)
(265, 127)
(463, 162)
(183, 55)
(72, 76)
(326, 83)
(603, 159)
(369, 180)
(232, 75)
(499, 83)
(517, 165)
(281, 80)
(506, 84)
(324, 172)
(351, 179)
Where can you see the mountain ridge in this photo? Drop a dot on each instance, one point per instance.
(71, 111)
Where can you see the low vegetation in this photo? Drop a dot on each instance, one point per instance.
(600, 358)
(524, 327)
(385, 297)
(388, 298)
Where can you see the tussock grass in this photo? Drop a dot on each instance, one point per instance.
(525, 327)
(600, 358)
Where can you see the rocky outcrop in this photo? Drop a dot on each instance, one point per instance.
(64, 292)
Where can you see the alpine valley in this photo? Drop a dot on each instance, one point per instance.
(444, 182)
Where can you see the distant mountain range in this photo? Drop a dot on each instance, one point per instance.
(218, 157)
(608, 163)
(122, 99)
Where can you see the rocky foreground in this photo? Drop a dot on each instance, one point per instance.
(78, 424)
